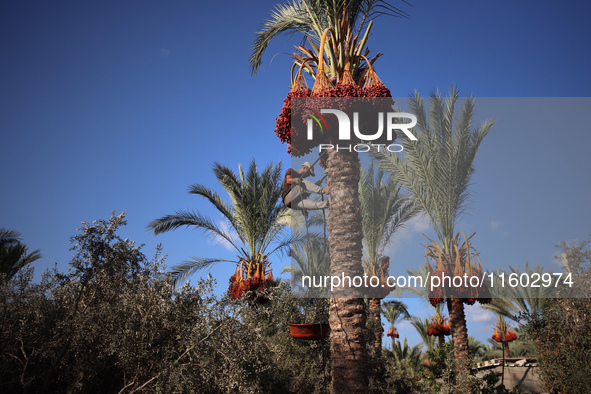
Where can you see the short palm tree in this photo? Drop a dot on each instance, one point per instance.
(254, 217)
(384, 210)
(436, 170)
(422, 327)
(523, 304)
(14, 255)
(407, 357)
(395, 311)
(438, 325)
(309, 259)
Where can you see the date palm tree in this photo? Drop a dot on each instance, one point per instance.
(348, 23)
(422, 326)
(407, 357)
(522, 304)
(436, 170)
(395, 311)
(255, 219)
(309, 259)
(384, 210)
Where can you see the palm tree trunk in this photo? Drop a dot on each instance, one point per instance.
(459, 333)
(441, 340)
(375, 310)
(347, 316)
(506, 349)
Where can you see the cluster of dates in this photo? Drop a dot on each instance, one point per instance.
(439, 326)
(463, 279)
(292, 129)
(462, 286)
(506, 333)
(249, 277)
(393, 333)
(382, 289)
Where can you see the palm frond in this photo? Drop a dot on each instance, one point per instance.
(437, 167)
(181, 272)
(422, 326)
(384, 210)
(9, 237)
(257, 221)
(312, 17)
(190, 219)
(288, 17)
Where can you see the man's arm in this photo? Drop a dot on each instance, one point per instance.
(292, 180)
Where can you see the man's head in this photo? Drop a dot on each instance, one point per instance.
(308, 169)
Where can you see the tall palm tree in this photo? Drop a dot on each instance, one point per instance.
(255, 222)
(345, 58)
(384, 210)
(14, 255)
(436, 170)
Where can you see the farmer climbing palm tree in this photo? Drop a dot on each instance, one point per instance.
(295, 190)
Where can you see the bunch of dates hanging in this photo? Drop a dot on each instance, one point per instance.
(342, 91)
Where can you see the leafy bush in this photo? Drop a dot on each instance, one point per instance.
(115, 324)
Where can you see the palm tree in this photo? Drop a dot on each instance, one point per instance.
(14, 255)
(312, 17)
(311, 260)
(384, 210)
(395, 311)
(422, 327)
(406, 356)
(436, 170)
(438, 325)
(518, 303)
(478, 350)
(8, 237)
(255, 221)
(347, 65)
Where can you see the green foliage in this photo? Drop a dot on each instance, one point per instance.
(561, 331)
(302, 365)
(437, 168)
(114, 323)
(439, 368)
(311, 17)
(441, 376)
(389, 375)
(255, 219)
(563, 341)
(14, 255)
(384, 210)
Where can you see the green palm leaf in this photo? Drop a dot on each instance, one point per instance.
(256, 220)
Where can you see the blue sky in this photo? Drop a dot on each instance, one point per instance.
(122, 105)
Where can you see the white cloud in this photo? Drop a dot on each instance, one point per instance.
(416, 225)
(219, 240)
(404, 325)
(476, 314)
(495, 224)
